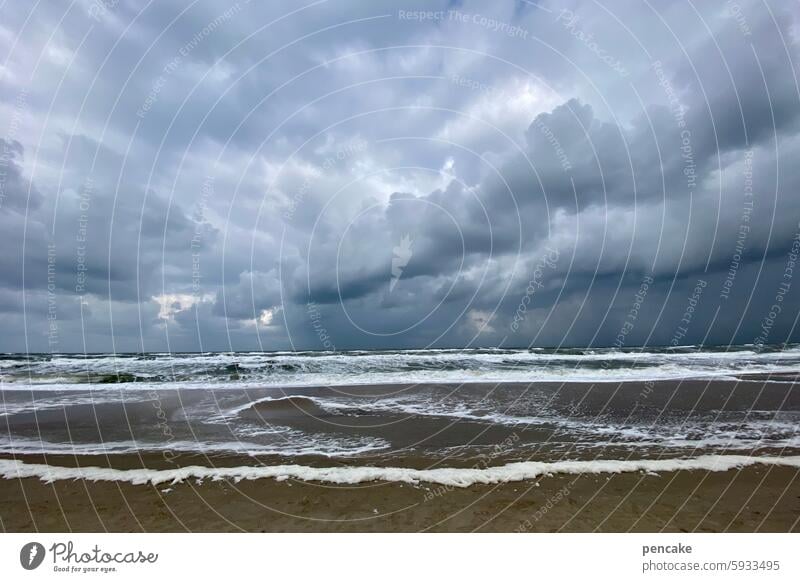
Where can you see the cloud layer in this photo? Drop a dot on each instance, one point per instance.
(366, 175)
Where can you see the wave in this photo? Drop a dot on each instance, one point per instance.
(450, 477)
(763, 429)
(287, 405)
(310, 405)
(142, 372)
(294, 444)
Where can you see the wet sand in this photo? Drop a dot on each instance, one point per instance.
(745, 500)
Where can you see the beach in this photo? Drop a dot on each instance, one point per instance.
(746, 500)
(228, 451)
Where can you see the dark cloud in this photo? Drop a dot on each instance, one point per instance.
(243, 177)
(17, 194)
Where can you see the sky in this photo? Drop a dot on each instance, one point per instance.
(330, 175)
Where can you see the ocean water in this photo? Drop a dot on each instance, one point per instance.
(488, 408)
(289, 369)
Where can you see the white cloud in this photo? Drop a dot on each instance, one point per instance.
(172, 303)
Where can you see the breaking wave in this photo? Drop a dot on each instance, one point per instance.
(203, 370)
(452, 477)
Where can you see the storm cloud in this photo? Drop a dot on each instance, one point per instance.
(375, 175)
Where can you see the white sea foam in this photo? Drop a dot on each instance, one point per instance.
(452, 477)
(294, 444)
(63, 400)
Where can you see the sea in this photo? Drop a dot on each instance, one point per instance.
(475, 410)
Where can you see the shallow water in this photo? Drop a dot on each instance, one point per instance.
(443, 422)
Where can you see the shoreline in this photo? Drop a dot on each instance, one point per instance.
(752, 498)
(338, 473)
(509, 457)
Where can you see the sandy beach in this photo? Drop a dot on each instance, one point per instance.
(668, 455)
(745, 500)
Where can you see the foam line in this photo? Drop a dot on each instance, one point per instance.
(453, 477)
